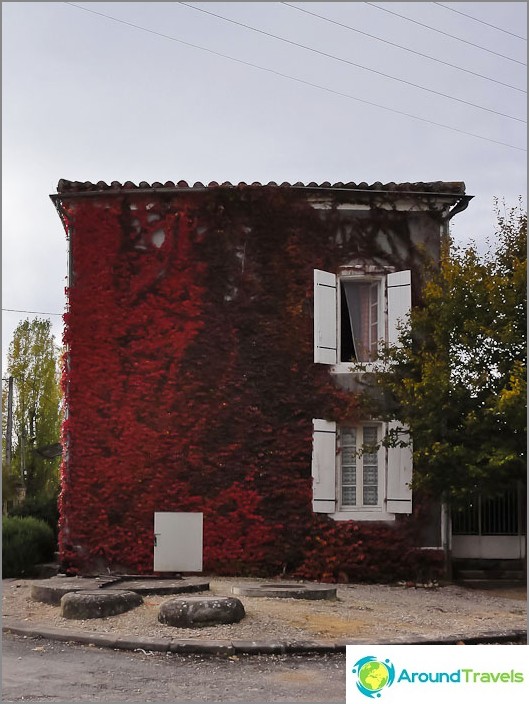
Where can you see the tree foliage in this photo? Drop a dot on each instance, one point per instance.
(33, 364)
(457, 378)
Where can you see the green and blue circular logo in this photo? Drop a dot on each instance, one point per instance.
(373, 675)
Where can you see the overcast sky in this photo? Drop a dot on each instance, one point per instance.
(86, 97)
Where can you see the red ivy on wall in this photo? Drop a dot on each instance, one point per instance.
(190, 385)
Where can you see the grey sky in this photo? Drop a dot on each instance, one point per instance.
(89, 98)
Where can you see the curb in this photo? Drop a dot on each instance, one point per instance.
(245, 647)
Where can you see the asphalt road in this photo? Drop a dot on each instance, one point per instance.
(37, 670)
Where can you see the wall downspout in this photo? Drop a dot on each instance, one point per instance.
(446, 521)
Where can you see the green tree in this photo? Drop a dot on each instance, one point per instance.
(458, 377)
(33, 364)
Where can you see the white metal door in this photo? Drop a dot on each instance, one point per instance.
(178, 542)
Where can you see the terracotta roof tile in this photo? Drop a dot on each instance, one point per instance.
(439, 187)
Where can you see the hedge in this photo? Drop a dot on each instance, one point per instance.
(26, 542)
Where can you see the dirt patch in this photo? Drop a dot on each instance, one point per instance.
(380, 612)
(296, 677)
(516, 593)
(329, 626)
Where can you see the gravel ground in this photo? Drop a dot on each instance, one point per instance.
(360, 612)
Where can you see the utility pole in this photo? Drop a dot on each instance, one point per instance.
(9, 425)
(9, 435)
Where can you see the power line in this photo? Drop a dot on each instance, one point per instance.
(404, 48)
(480, 21)
(33, 312)
(446, 34)
(352, 63)
(297, 80)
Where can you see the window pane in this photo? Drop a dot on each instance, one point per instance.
(370, 454)
(349, 496)
(348, 475)
(370, 467)
(370, 476)
(348, 437)
(370, 496)
(348, 455)
(370, 435)
(349, 458)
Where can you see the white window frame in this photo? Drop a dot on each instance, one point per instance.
(359, 506)
(381, 309)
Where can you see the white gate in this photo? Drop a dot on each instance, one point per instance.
(490, 528)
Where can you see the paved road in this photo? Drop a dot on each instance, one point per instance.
(36, 670)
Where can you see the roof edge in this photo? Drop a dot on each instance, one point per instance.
(87, 188)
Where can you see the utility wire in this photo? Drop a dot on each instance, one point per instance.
(352, 63)
(506, 31)
(446, 34)
(404, 48)
(297, 80)
(34, 312)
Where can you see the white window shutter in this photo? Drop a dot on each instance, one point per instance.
(399, 302)
(323, 466)
(325, 317)
(400, 467)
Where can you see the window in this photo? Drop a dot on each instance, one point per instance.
(359, 320)
(355, 476)
(352, 314)
(359, 462)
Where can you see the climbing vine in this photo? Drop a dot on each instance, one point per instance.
(190, 384)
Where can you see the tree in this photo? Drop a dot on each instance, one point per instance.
(458, 377)
(33, 364)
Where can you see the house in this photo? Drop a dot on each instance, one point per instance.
(210, 332)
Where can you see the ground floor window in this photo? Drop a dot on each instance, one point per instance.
(355, 475)
(359, 466)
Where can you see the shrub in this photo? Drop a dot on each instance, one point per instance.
(26, 542)
(44, 508)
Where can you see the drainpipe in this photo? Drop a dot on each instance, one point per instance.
(462, 204)
(446, 521)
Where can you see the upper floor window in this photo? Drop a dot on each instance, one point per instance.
(354, 314)
(360, 318)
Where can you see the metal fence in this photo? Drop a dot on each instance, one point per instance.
(498, 515)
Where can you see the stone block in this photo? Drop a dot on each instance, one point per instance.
(196, 611)
(98, 603)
